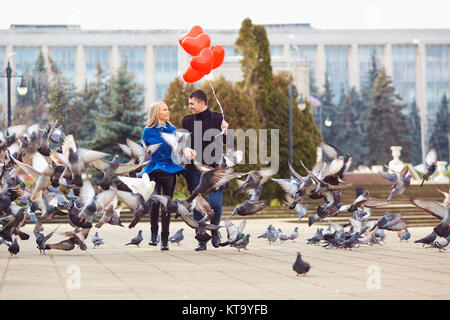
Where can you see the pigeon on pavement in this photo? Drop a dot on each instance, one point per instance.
(300, 266)
(136, 240)
(177, 237)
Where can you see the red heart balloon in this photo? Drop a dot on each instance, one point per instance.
(193, 46)
(191, 75)
(204, 61)
(195, 31)
(219, 55)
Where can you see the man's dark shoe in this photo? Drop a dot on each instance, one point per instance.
(164, 247)
(153, 241)
(215, 238)
(201, 247)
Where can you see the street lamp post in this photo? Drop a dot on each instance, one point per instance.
(22, 89)
(301, 106)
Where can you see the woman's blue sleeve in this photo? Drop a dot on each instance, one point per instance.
(147, 136)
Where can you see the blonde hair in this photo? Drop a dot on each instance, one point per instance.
(152, 119)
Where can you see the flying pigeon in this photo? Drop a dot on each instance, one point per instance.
(427, 169)
(401, 180)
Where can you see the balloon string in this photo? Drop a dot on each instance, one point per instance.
(221, 110)
(214, 93)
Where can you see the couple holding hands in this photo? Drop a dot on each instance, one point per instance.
(163, 170)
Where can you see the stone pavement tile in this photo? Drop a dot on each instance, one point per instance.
(115, 271)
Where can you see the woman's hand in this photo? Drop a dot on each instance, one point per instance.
(189, 153)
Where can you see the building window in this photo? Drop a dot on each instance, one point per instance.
(166, 62)
(307, 53)
(64, 59)
(437, 78)
(134, 59)
(26, 59)
(404, 64)
(94, 57)
(365, 62)
(337, 70)
(276, 51)
(230, 51)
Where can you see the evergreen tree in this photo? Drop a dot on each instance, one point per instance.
(313, 90)
(364, 107)
(349, 136)
(90, 101)
(305, 134)
(256, 66)
(439, 137)
(32, 107)
(271, 101)
(387, 126)
(120, 114)
(329, 111)
(61, 94)
(414, 127)
(246, 45)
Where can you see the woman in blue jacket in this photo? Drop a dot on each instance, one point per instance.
(161, 168)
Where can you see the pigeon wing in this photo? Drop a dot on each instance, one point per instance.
(331, 151)
(28, 169)
(295, 173)
(421, 168)
(87, 156)
(431, 157)
(131, 200)
(87, 192)
(242, 226)
(431, 206)
(391, 177)
(69, 143)
(373, 203)
(99, 165)
(126, 150)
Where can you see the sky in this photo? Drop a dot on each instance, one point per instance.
(228, 14)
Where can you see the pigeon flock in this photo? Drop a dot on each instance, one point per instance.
(61, 186)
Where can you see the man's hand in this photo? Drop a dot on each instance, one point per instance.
(189, 153)
(224, 127)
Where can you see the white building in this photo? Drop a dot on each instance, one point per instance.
(418, 60)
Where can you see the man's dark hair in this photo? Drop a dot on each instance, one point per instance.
(199, 95)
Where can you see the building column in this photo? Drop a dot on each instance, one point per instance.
(80, 69)
(421, 96)
(183, 63)
(287, 51)
(320, 66)
(149, 76)
(353, 67)
(115, 59)
(387, 60)
(45, 53)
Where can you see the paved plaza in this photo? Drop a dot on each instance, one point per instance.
(114, 271)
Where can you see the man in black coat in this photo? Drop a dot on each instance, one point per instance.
(207, 150)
